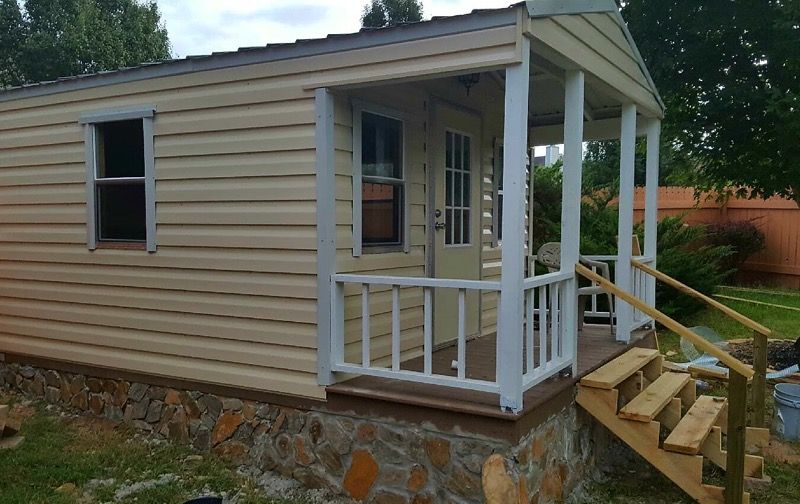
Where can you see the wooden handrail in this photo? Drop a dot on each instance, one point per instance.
(728, 311)
(733, 363)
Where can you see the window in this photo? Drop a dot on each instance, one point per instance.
(457, 191)
(119, 178)
(380, 201)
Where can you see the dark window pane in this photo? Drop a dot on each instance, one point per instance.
(121, 212)
(448, 227)
(457, 148)
(466, 153)
(381, 146)
(466, 233)
(120, 147)
(448, 188)
(459, 176)
(500, 217)
(381, 214)
(466, 199)
(448, 162)
(457, 227)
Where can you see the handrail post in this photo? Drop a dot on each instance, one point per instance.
(759, 379)
(737, 419)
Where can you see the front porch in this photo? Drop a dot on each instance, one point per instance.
(420, 296)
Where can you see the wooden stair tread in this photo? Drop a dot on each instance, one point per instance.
(618, 370)
(649, 403)
(693, 429)
(3, 418)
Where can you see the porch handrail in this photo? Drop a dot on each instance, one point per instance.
(405, 281)
(730, 361)
(540, 280)
(728, 311)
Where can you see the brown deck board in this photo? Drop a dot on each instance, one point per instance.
(596, 346)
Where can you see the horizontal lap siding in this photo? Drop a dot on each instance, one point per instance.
(230, 295)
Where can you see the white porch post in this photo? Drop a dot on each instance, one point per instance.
(651, 203)
(326, 230)
(571, 204)
(624, 275)
(510, 323)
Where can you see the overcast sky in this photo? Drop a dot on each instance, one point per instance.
(205, 26)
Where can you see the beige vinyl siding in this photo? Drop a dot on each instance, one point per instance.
(230, 295)
(598, 43)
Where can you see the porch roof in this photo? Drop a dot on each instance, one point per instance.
(578, 20)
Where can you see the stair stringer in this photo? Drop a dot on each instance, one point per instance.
(686, 471)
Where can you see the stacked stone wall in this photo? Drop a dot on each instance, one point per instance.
(373, 460)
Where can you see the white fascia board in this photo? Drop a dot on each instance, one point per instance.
(547, 8)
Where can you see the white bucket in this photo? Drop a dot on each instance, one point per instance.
(787, 416)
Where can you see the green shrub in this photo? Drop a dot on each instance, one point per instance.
(684, 254)
(744, 238)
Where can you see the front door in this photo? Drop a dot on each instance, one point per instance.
(455, 159)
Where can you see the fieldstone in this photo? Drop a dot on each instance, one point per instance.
(301, 454)
(330, 458)
(464, 483)
(311, 478)
(120, 393)
(211, 405)
(244, 433)
(178, 427)
(226, 426)
(202, 438)
(139, 408)
(52, 395)
(295, 421)
(231, 403)
(52, 378)
(137, 391)
(190, 405)
(498, 486)
(366, 433)
(194, 424)
(263, 412)
(232, 451)
(315, 431)
(96, 404)
(339, 435)
(438, 450)
(417, 478)
(473, 463)
(77, 384)
(38, 385)
(95, 385)
(278, 424)
(385, 497)
(422, 499)
(109, 386)
(114, 413)
(166, 417)
(27, 372)
(361, 475)
(249, 409)
(158, 393)
(208, 420)
(141, 425)
(283, 445)
(154, 410)
(173, 397)
(551, 488)
(80, 400)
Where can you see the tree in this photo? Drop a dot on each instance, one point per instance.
(72, 37)
(12, 36)
(382, 13)
(729, 73)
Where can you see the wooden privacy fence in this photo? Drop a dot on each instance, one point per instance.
(777, 218)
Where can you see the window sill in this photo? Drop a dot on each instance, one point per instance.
(381, 249)
(109, 245)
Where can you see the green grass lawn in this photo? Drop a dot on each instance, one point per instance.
(100, 460)
(785, 324)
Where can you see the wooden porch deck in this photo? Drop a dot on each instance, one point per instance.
(477, 412)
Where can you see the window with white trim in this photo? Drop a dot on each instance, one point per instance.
(457, 191)
(379, 182)
(120, 182)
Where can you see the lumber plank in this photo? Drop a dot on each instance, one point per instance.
(690, 433)
(620, 369)
(3, 418)
(645, 406)
(712, 450)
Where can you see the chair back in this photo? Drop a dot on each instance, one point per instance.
(549, 255)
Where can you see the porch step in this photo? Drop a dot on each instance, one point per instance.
(620, 369)
(648, 404)
(693, 429)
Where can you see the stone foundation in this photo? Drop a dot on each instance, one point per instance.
(371, 460)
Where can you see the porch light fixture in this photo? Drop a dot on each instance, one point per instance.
(469, 80)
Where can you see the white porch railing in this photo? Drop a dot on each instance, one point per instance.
(393, 371)
(547, 350)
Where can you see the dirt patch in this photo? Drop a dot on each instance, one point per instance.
(780, 354)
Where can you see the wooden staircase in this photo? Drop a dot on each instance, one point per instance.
(637, 400)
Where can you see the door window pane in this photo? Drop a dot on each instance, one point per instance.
(457, 190)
